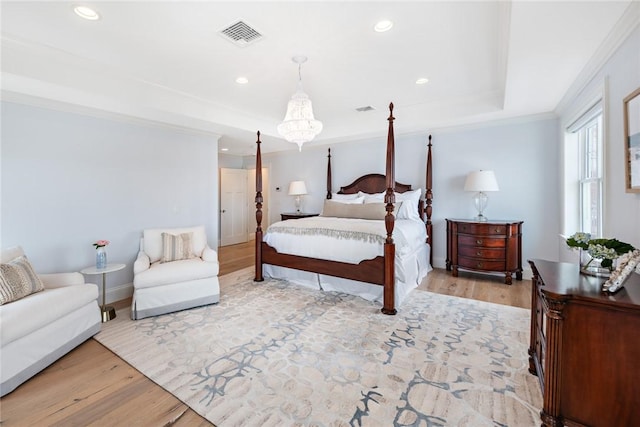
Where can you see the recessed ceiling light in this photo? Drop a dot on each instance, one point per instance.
(383, 26)
(242, 80)
(86, 13)
(224, 149)
(422, 80)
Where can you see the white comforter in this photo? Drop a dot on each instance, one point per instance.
(343, 239)
(350, 240)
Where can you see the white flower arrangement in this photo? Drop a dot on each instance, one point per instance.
(627, 263)
(606, 250)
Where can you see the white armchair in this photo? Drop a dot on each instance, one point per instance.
(164, 285)
(41, 327)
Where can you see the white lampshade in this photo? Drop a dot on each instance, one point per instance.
(481, 181)
(297, 188)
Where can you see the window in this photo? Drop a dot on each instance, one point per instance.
(589, 137)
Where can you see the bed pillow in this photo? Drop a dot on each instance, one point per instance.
(360, 211)
(350, 201)
(337, 197)
(17, 280)
(410, 200)
(373, 198)
(176, 247)
(408, 210)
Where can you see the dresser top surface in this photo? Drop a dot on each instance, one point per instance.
(563, 281)
(489, 222)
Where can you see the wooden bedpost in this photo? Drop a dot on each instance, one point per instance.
(258, 276)
(329, 174)
(388, 306)
(428, 202)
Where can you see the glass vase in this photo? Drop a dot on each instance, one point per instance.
(101, 258)
(592, 266)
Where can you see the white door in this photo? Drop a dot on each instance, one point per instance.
(233, 206)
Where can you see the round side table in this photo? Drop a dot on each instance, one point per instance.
(108, 312)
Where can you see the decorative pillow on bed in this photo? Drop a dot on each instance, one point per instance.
(361, 211)
(176, 247)
(17, 280)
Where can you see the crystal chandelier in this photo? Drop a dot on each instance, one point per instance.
(299, 125)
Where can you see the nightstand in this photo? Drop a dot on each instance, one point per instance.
(296, 215)
(491, 246)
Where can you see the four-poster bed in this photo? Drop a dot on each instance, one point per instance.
(376, 263)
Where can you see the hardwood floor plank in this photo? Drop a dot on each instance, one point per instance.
(91, 386)
(235, 257)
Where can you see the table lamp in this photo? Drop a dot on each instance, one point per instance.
(297, 189)
(480, 182)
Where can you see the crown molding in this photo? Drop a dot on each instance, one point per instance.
(89, 111)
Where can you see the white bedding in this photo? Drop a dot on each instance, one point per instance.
(350, 240)
(343, 239)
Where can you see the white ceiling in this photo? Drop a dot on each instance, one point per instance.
(167, 62)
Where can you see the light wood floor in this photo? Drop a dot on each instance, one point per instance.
(91, 386)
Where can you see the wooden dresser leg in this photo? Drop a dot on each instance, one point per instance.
(550, 420)
(454, 271)
(532, 362)
(507, 278)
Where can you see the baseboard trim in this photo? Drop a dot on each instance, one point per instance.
(527, 273)
(119, 293)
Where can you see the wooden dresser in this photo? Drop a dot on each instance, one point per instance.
(585, 347)
(493, 246)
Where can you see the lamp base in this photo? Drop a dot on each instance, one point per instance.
(480, 200)
(298, 202)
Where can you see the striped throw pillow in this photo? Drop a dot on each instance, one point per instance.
(176, 247)
(17, 280)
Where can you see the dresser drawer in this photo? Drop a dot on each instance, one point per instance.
(480, 252)
(481, 241)
(481, 264)
(484, 229)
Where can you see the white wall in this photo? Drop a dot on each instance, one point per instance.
(230, 161)
(620, 76)
(522, 154)
(69, 180)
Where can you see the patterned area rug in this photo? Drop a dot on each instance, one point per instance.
(276, 354)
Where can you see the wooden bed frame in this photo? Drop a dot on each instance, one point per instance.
(380, 270)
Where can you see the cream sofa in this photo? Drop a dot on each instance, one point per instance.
(42, 327)
(165, 287)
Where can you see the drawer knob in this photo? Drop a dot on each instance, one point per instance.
(479, 265)
(479, 253)
(497, 230)
(478, 242)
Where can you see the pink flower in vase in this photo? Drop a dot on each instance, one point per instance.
(101, 243)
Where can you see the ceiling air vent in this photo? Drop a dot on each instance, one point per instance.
(241, 34)
(367, 108)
